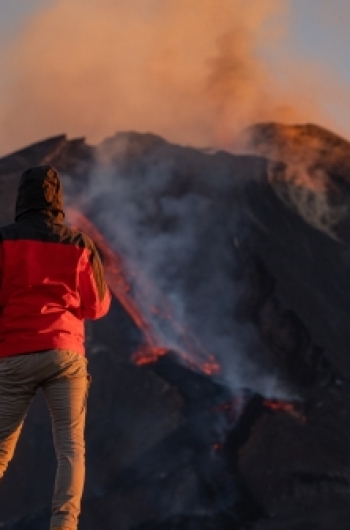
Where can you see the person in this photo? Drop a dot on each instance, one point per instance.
(51, 279)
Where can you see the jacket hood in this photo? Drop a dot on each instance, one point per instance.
(40, 192)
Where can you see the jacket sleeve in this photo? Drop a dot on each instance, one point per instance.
(1, 265)
(94, 293)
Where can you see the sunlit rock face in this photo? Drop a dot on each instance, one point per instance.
(315, 178)
(242, 259)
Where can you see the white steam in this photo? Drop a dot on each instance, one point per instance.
(178, 239)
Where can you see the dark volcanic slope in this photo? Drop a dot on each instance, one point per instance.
(266, 254)
(312, 269)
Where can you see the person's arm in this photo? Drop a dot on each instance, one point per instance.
(94, 292)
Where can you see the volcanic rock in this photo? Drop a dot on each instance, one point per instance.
(314, 178)
(261, 444)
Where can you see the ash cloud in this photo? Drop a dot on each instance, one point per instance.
(189, 71)
(173, 226)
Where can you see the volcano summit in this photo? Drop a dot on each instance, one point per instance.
(221, 376)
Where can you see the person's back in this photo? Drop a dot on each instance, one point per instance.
(51, 279)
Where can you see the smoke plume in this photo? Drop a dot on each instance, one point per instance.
(192, 71)
(172, 220)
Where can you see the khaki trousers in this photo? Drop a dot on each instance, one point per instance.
(62, 374)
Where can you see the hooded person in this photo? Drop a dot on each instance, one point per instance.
(51, 280)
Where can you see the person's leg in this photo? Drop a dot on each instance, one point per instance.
(66, 392)
(16, 393)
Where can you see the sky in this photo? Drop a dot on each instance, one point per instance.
(193, 71)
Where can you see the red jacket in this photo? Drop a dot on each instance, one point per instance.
(51, 277)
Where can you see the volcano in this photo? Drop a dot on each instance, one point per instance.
(220, 395)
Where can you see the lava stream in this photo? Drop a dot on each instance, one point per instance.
(193, 354)
(291, 408)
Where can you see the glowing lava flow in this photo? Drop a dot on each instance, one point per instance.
(193, 354)
(293, 409)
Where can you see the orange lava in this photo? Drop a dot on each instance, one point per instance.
(293, 409)
(279, 405)
(146, 355)
(192, 352)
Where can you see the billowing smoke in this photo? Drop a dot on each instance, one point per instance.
(191, 71)
(173, 220)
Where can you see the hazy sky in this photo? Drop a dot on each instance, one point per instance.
(194, 71)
